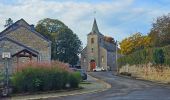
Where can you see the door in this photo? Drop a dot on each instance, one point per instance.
(92, 65)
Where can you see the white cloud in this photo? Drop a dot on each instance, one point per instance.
(113, 17)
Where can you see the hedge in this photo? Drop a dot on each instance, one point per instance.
(32, 79)
(145, 56)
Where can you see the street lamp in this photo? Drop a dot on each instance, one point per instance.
(6, 56)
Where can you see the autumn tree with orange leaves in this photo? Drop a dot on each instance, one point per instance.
(134, 43)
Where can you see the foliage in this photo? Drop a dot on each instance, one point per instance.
(74, 79)
(158, 56)
(65, 44)
(109, 39)
(43, 77)
(68, 46)
(160, 32)
(134, 43)
(146, 55)
(50, 27)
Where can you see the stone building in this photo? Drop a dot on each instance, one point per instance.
(98, 51)
(24, 44)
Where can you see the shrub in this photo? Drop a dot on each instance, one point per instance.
(43, 77)
(74, 79)
(158, 56)
(152, 55)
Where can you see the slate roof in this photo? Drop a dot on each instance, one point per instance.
(95, 29)
(18, 24)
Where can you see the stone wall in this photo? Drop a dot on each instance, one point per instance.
(30, 39)
(103, 58)
(95, 55)
(148, 72)
(111, 62)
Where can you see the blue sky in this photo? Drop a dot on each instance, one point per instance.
(116, 18)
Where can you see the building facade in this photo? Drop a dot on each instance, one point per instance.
(98, 51)
(24, 44)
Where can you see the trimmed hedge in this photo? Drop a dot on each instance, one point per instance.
(145, 56)
(32, 79)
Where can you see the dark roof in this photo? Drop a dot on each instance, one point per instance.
(109, 46)
(13, 41)
(95, 27)
(18, 24)
(25, 50)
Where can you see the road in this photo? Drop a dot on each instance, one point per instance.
(124, 89)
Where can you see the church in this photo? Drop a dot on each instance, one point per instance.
(24, 44)
(99, 52)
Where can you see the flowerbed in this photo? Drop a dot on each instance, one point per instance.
(32, 77)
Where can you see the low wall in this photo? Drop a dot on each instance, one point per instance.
(148, 72)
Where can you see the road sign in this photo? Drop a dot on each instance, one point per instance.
(6, 55)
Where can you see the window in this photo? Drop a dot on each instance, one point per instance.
(102, 59)
(92, 40)
(92, 50)
(84, 60)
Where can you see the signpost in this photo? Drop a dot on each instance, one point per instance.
(117, 68)
(6, 56)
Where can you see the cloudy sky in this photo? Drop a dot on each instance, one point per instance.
(116, 18)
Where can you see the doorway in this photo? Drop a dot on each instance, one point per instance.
(92, 65)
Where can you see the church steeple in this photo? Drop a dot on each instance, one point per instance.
(95, 27)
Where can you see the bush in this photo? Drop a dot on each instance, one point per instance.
(74, 79)
(147, 55)
(158, 56)
(36, 77)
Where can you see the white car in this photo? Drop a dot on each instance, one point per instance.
(98, 69)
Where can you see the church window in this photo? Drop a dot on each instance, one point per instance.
(84, 59)
(92, 40)
(102, 59)
(92, 50)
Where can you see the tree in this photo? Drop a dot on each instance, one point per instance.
(50, 27)
(160, 32)
(65, 44)
(158, 56)
(68, 46)
(134, 43)
(9, 22)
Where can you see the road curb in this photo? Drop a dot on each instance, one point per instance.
(106, 87)
(107, 84)
(140, 79)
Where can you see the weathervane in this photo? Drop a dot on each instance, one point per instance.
(94, 13)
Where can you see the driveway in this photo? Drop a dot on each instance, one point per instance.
(124, 89)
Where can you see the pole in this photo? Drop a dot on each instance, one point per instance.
(6, 77)
(116, 60)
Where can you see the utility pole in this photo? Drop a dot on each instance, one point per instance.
(117, 68)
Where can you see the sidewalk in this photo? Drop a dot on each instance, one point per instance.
(92, 85)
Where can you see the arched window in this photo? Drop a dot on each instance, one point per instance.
(102, 59)
(84, 60)
(92, 50)
(92, 40)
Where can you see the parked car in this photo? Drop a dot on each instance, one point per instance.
(98, 69)
(83, 74)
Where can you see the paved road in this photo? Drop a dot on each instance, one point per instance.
(124, 89)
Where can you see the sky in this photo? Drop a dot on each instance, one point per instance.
(116, 18)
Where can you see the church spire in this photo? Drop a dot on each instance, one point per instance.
(95, 27)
